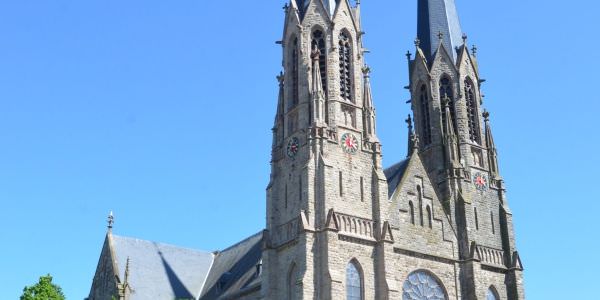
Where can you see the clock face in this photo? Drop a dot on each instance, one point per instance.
(292, 147)
(481, 182)
(349, 143)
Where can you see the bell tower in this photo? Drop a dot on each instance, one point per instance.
(457, 148)
(324, 199)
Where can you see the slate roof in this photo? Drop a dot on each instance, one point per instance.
(394, 175)
(435, 16)
(329, 5)
(161, 271)
(235, 269)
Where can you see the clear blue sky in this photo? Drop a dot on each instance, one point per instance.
(161, 111)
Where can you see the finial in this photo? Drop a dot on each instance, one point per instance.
(408, 55)
(409, 123)
(366, 70)
(280, 77)
(474, 50)
(418, 42)
(110, 220)
(440, 35)
(486, 116)
(285, 7)
(464, 38)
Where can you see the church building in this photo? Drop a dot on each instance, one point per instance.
(435, 226)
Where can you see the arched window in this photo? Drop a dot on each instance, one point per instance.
(420, 197)
(291, 288)
(295, 72)
(412, 212)
(429, 217)
(472, 112)
(446, 91)
(492, 294)
(353, 282)
(345, 50)
(318, 41)
(425, 119)
(422, 285)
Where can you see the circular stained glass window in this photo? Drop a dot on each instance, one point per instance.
(421, 285)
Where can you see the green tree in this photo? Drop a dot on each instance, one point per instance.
(43, 290)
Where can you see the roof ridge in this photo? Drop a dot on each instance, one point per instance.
(163, 244)
(241, 242)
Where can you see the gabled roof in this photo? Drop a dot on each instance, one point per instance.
(161, 271)
(235, 269)
(394, 175)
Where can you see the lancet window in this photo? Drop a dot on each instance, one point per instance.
(353, 282)
(446, 91)
(425, 118)
(345, 51)
(295, 72)
(472, 112)
(318, 41)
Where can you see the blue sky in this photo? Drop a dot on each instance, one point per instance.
(161, 111)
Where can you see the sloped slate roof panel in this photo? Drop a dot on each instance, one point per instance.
(234, 268)
(394, 175)
(161, 271)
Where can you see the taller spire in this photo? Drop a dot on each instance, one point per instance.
(438, 21)
(329, 5)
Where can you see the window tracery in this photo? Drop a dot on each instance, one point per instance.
(421, 285)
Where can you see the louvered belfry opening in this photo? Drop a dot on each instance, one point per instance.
(318, 41)
(345, 50)
(472, 112)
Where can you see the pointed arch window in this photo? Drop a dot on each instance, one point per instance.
(492, 294)
(447, 91)
(345, 51)
(425, 118)
(318, 41)
(472, 112)
(429, 217)
(295, 72)
(353, 282)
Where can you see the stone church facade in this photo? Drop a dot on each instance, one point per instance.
(434, 226)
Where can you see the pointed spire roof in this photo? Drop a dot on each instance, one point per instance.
(329, 5)
(438, 21)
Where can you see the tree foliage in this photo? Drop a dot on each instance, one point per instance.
(43, 290)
